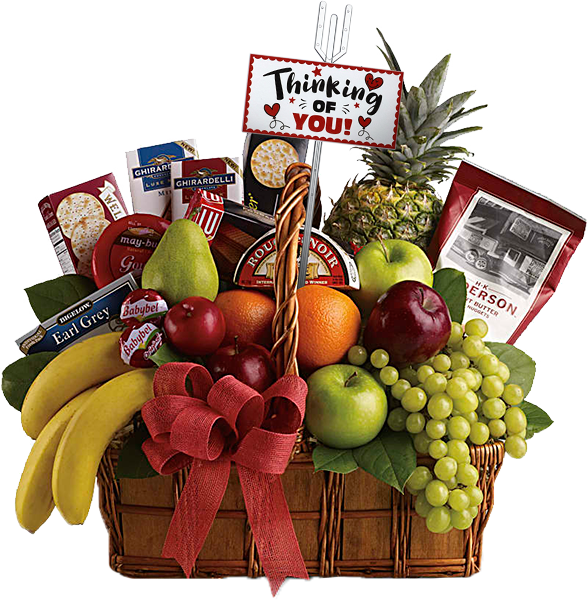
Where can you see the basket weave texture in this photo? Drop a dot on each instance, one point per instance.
(347, 525)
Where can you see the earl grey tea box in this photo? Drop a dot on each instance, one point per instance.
(96, 314)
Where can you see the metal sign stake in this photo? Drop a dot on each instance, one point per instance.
(328, 57)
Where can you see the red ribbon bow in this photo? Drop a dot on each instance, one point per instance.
(219, 423)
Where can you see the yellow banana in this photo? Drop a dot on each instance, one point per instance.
(34, 497)
(70, 373)
(87, 436)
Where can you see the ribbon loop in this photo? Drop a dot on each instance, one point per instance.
(209, 426)
(242, 407)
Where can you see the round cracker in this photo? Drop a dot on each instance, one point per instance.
(75, 207)
(270, 160)
(85, 268)
(85, 235)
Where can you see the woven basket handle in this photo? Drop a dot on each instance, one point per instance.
(289, 219)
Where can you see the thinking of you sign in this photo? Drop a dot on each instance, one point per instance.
(320, 101)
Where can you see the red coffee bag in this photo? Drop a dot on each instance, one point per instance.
(512, 244)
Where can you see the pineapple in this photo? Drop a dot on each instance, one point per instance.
(396, 199)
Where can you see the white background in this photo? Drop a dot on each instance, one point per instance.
(84, 82)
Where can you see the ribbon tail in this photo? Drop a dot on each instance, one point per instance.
(272, 527)
(195, 512)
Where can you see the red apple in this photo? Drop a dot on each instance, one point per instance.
(249, 363)
(410, 321)
(195, 326)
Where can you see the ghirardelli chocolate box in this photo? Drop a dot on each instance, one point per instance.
(265, 160)
(220, 176)
(75, 218)
(150, 175)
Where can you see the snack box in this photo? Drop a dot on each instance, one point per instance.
(96, 314)
(75, 218)
(150, 175)
(220, 176)
(265, 159)
(230, 227)
(328, 263)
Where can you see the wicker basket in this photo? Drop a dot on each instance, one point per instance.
(346, 524)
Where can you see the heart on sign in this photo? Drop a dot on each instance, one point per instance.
(372, 82)
(364, 122)
(273, 110)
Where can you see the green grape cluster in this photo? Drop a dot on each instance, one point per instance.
(460, 397)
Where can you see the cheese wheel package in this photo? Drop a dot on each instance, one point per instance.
(512, 244)
(328, 263)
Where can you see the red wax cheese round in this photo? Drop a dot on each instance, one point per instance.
(140, 342)
(125, 246)
(142, 306)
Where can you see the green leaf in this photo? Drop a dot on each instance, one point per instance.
(392, 62)
(449, 135)
(451, 285)
(391, 457)
(18, 377)
(167, 354)
(53, 296)
(537, 418)
(433, 83)
(522, 367)
(331, 459)
(132, 462)
(416, 105)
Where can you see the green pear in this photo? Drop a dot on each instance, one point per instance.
(182, 265)
(383, 263)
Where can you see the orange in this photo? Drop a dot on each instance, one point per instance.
(248, 314)
(329, 325)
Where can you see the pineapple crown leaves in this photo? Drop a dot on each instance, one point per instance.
(423, 129)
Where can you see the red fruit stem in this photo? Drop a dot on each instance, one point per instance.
(236, 344)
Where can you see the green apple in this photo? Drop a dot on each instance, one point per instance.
(381, 264)
(346, 407)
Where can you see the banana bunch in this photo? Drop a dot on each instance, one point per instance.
(73, 419)
(81, 366)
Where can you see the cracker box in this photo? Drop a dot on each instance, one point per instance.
(150, 175)
(265, 160)
(76, 217)
(220, 176)
(96, 314)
